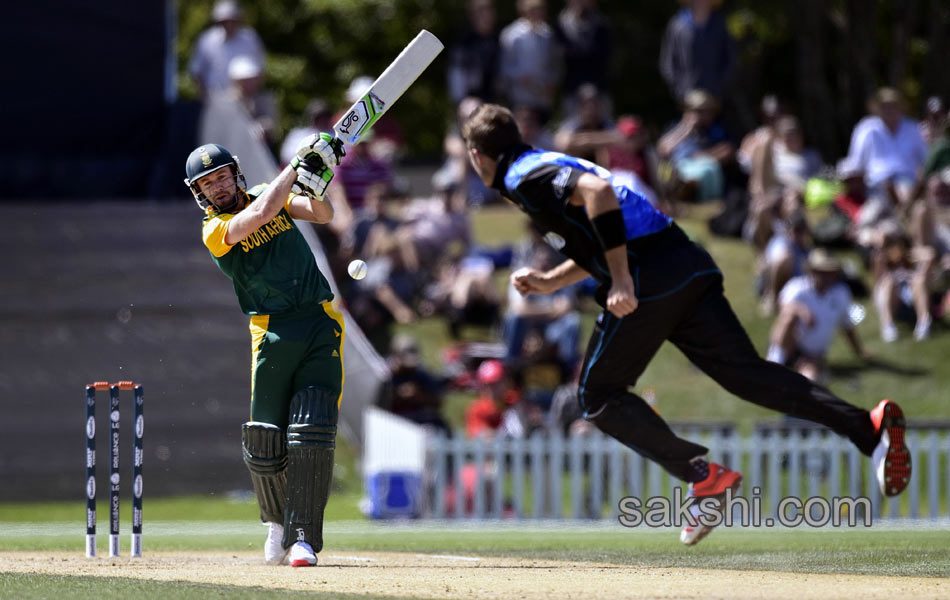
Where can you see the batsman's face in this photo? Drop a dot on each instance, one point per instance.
(218, 186)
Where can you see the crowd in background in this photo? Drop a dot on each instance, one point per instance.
(887, 199)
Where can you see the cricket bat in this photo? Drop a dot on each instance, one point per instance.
(388, 87)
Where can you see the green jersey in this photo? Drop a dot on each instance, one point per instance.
(273, 269)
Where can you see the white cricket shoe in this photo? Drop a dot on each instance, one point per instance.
(301, 555)
(274, 552)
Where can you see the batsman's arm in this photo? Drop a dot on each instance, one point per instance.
(263, 209)
(315, 210)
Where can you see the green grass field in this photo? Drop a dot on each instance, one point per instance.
(915, 373)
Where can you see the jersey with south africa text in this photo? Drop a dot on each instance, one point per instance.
(541, 183)
(272, 269)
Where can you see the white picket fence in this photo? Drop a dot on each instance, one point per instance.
(548, 476)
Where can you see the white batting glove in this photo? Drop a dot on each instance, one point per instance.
(320, 145)
(313, 177)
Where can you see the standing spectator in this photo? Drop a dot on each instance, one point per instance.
(697, 51)
(318, 118)
(530, 59)
(889, 147)
(221, 43)
(770, 110)
(812, 308)
(585, 39)
(473, 60)
(698, 146)
(247, 88)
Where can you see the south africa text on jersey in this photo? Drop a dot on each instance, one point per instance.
(277, 225)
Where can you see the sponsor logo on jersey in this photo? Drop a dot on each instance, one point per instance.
(560, 181)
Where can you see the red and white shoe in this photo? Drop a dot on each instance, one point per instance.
(720, 480)
(891, 458)
(301, 555)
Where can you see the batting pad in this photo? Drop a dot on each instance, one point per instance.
(311, 439)
(265, 454)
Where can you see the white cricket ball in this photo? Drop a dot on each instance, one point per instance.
(357, 269)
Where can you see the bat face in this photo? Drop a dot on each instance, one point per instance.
(395, 80)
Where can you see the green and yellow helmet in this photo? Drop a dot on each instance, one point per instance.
(207, 159)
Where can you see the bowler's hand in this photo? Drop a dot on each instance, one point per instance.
(529, 281)
(621, 299)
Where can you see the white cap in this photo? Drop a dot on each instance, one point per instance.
(243, 67)
(358, 88)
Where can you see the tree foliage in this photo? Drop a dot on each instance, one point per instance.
(822, 57)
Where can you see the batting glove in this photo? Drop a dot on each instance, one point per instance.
(313, 177)
(324, 146)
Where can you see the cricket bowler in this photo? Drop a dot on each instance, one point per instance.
(656, 285)
(296, 335)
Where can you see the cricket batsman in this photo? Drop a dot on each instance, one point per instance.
(656, 285)
(296, 336)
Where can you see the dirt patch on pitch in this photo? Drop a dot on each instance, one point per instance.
(449, 576)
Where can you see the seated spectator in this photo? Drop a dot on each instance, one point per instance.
(769, 112)
(698, 147)
(416, 394)
(888, 146)
(633, 157)
(384, 296)
(355, 175)
(840, 226)
(318, 119)
(589, 131)
(431, 225)
(784, 258)
(247, 88)
(221, 43)
(930, 230)
(464, 292)
(554, 316)
(938, 154)
(811, 308)
(900, 288)
(781, 165)
(373, 228)
(473, 59)
(532, 131)
(934, 123)
(489, 414)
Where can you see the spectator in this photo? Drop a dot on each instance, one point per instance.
(781, 166)
(416, 393)
(698, 147)
(464, 291)
(811, 308)
(934, 123)
(221, 43)
(530, 58)
(585, 38)
(554, 316)
(318, 118)
(930, 230)
(247, 88)
(532, 130)
(490, 413)
(938, 156)
(889, 147)
(697, 52)
(589, 131)
(900, 287)
(473, 60)
(784, 258)
(769, 111)
(633, 157)
(840, 227)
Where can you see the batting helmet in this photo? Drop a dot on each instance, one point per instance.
(207, 159)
